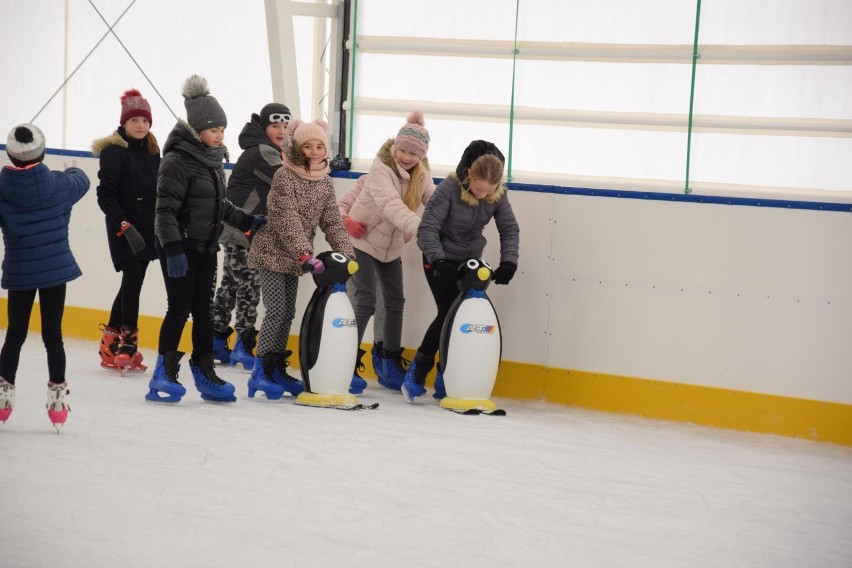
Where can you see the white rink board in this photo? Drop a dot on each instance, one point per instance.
(736, 297)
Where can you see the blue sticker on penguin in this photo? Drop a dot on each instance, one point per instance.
(476, 328)
(343, 322)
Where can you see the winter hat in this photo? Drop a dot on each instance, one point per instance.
(413, 137)
(473, 151)
(274, 112)
(304, 131)
(25, 145)
(133, 104)
(202, 110)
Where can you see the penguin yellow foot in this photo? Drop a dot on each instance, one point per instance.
(462, 405)
(340, 401)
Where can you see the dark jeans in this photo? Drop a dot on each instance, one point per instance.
(444, 291)
(125, 307)
(191, 294)
(20, 304)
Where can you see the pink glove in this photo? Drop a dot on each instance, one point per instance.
(309, 263)
(356, 228)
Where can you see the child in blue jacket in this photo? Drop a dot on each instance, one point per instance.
(35, 210)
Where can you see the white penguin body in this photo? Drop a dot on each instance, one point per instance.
(475, 343)
(338, 347)
(328, 340)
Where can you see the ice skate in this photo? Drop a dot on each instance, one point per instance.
(211, 387)
(260, 379)
(291, 385)
(415, 376)
(110, 342)
(393, 369)
(221, 351)
(440, 391)
(57, 403)
(242, 352)
(358, 384)
(165, 379)
(7, 399)
(376, 356)
(129, 359)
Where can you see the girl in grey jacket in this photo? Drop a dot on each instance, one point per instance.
(450, 233)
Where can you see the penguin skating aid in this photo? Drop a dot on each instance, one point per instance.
(471, 344)
(328, 341)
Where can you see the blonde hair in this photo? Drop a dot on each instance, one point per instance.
(487, 167)
(414, 193)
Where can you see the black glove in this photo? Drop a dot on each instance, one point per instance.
(504, 272)
(445, 269)
(134, 238)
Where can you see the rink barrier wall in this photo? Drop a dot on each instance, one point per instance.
(808, 399)
(660, 400)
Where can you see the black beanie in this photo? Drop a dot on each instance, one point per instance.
(274, 112)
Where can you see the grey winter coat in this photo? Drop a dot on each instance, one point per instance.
(452, 224)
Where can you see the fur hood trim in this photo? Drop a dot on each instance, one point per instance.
(469, 199)
(116, 139)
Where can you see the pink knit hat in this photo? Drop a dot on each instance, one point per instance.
(133, 104)
(304, 131)
(413, 137)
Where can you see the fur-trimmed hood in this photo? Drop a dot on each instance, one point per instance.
(117, 139)
(469, 199)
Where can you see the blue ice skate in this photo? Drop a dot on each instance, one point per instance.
(393, 369)
(280, 377)
(211, 387)
(246, 342)
(165, 379)
(260, 381)
(358, 384)
(440, 391)
(415, 376)
(376, 355)
(221, 351)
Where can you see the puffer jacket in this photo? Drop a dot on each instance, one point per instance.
(377, 201)
(128, 190)
(296, 208)
(453, 221)
(191, 204)
(35, 210)
(248, 185)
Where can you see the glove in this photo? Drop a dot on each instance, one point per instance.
(177, 265)
(356, 228)
(504, 273)
(259, 221)
(311, 264)
(134, 238)
(445, 269)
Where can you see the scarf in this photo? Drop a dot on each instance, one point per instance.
(316, 173)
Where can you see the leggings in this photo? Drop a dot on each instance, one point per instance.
(52, 306)
(444, 291)
(191, 294)
(125, 307)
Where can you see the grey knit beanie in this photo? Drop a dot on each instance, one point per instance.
(202, 110)
(25, 145)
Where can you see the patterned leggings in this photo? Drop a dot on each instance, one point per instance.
(279, 299)
(240, 288)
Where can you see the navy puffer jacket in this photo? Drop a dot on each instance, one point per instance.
(35, 210)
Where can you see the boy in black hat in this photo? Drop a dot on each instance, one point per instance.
(262, 140)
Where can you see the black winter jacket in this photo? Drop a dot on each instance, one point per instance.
(191, 204)
(248, 185)
(128, 191)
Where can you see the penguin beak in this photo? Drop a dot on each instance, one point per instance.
(352, 267)
(483, 273)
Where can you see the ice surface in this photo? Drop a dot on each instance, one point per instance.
(139, 484)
